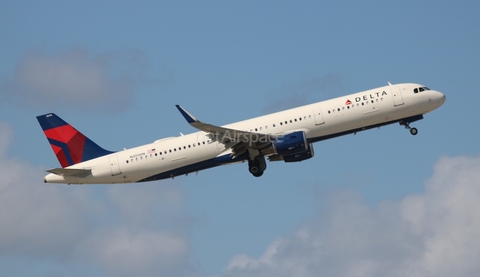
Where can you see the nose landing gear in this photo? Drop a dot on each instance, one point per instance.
(406, 122)
(413, 131)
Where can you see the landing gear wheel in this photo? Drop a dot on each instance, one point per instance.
(254, 167)
(258, 174)
(257, 166)
(413, 131)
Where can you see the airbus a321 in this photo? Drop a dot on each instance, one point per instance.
(283, 136)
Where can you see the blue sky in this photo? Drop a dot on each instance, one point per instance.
(381, 202)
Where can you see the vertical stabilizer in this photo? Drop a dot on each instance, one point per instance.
(69, 145)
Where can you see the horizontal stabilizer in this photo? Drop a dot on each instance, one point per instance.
(70, 172)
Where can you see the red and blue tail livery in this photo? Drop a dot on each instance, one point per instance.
(69, 145)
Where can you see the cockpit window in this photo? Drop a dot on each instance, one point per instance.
(417, 90)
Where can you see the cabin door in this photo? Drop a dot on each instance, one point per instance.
(317, 114)
(114, 166)
(397, 96)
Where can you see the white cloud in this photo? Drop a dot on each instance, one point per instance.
(436, 233)
(123, 252)
(34, 218)
(118, 230)
(75, 79)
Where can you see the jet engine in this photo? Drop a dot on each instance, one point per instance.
(305, 155)
(289, 144)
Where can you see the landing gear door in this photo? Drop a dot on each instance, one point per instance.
(317, 114)
(397, 96)
(114, 166)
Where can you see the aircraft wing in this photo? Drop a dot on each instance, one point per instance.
(72, 172)
(240, 141)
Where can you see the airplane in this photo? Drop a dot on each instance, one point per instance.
(282, 136)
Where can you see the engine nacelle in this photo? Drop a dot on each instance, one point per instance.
(307, 154)
(300, 157)
(290, 144)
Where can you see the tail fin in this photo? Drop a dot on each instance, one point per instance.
(69, 145)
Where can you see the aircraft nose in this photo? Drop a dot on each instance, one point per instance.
(436, 98)
(440, 98)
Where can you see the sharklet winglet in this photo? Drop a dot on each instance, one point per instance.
(190, 118)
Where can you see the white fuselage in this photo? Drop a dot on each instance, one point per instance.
(171, 157)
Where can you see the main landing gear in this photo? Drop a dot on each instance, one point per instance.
(257, 166)
(413, 131)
